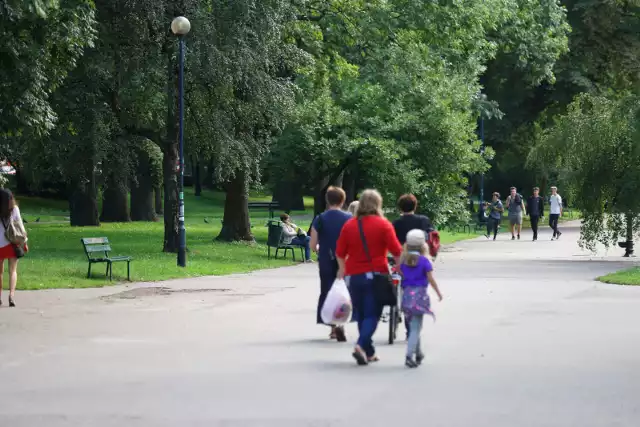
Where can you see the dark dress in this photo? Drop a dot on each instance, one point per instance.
(328, 225)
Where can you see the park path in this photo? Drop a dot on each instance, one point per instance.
(525, 337)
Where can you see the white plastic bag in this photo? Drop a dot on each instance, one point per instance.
(337, 308)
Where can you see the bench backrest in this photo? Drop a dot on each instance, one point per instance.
(95, 247)
(274, 238)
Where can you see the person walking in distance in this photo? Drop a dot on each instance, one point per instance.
(495, 216)
(535, 210)
(515, 206)
(555, 212)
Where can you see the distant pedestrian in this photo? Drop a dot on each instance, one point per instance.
(362, 254)
(417, 275)
(325, 232)
(495, 216)
(555, 212)
(353, 207)
(10, 250)
(515, 206)
(535, 210)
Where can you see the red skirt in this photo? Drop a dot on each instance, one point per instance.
(7, 252)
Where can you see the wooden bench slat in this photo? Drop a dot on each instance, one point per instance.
(95, 240)
(98, 248)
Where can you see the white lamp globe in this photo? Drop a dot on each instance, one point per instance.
(180, 26)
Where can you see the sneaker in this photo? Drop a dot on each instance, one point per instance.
(513, 237)
(518, 237)
(410, 363)
(494, 239)
(558, 236)
(419, 358)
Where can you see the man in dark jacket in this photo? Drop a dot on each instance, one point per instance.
(535, 210)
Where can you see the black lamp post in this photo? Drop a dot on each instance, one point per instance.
(180, 26)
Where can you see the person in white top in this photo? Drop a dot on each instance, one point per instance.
(555, 212)
(9, 211)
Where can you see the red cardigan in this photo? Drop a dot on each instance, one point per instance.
(381, 238)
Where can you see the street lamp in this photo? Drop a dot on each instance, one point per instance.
(180, 26)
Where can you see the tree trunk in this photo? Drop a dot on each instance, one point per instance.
(142, 200)
(83, 205)
(236, 225)
(115, 204)
(350, 185)
(158, 200)
(22, 184)
(289, 195)
(170, 163)
(629, 244)
(208, 181)
(197, 176)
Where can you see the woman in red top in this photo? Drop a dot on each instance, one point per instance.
(359, 268)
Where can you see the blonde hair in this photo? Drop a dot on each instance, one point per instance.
(353, 207)
(409, 259)
(370, 204)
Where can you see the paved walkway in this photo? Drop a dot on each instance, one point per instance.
(525, 337)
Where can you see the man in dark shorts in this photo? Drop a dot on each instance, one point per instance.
(515, 206)
(535, 210)
(408, 220)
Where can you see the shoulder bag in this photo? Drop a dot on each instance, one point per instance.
(383, 288)
(16, 235)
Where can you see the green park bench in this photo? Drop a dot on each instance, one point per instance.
(271, 206)
(275, 238)
(97, 250)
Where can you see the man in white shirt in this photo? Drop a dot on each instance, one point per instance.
(555, 212)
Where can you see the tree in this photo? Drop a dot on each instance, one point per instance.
(41, 42)
(595, 147)
(602, 49)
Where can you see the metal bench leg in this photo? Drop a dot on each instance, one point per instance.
(129, 271)
(293, 254)
(277, 249)
(107, 271)
(89, 271)
(110, 269)
(268, 252)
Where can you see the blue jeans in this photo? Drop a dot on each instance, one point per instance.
(304, 242)
(366, 310)
(413, 343)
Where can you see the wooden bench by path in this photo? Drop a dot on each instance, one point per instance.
(97, 250)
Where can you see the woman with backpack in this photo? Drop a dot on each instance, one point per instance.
(13, 241)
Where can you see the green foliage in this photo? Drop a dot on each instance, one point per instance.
(596, 148)
(41, 42)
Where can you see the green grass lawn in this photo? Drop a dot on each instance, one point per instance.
(56, 258)
(629, 276)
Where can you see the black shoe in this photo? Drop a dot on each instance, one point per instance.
(11, 303)
(410, 363)
(558, 235)
(518, 237)
(340, 335)
(494, 239)
(513, 237)
(419, 358)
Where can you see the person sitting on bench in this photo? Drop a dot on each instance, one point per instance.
(294, 235)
